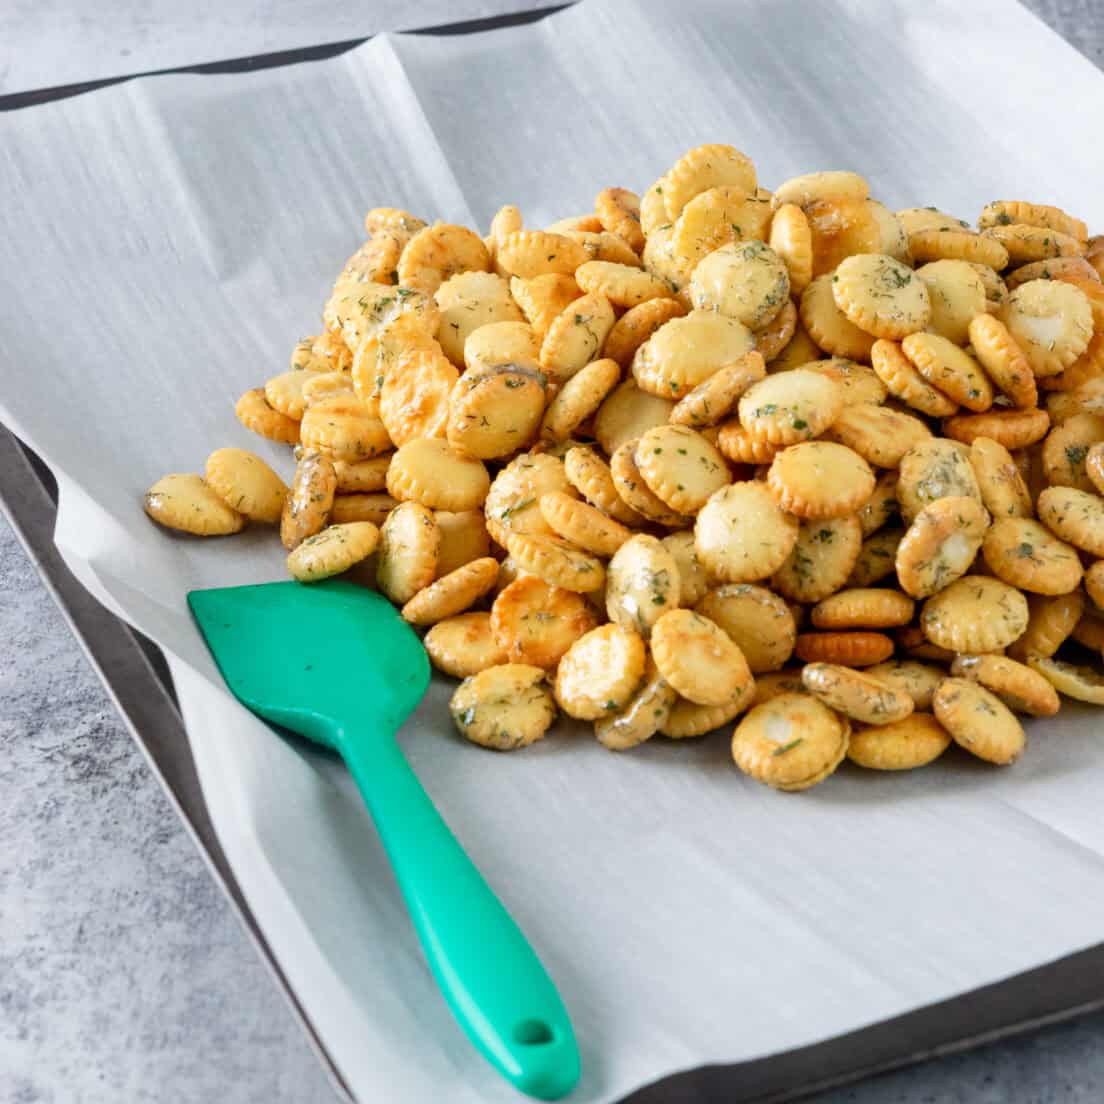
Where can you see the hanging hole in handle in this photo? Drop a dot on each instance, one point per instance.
(533, 1033)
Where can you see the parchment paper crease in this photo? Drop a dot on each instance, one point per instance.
(165, 243)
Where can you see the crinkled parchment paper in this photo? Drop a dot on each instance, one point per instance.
(167, 240)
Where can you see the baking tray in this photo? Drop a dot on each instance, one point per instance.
(136, 677)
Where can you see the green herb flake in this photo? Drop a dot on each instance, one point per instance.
(787, 747)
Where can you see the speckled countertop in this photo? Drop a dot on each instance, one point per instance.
(124, 976)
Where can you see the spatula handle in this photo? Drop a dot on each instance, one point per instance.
(490, 976)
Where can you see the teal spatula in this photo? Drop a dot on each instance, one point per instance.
(335, 662)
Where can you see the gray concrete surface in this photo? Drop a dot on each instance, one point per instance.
(125, 979)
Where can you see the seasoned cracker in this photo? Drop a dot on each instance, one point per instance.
(453, 593)
(600, 672)
(881, 507)
(1094, 586)
(772, 338)
(693, 580)
(978, 721)
(463, 539)
(949, 369)
(534, 622)
(877, 559)
(933, 469)
(362, 476)
(791, 742)
(698, 658)
(309, 499)
(974, 614)
(810, 187)
(800, 352)
(1006, 212)
(828, 326)
(822, 558)
(856, 694)
(438, 252)
(744, 280)
(1052, 323)
(618, 210)
(334, 550)
(881, 296)
(330, 385)
(742, 535)
(790, 406)
(414, 396)
(756, 619)
(940, 545)
(1053, 268)
(850, 649)
(863, 608)
(409, 545)
(702, 168)
(603, 246)
(544, 298)
(741, 447)
(1025, 243)
(1066, 449)
(792, 240)
(680, 467)
(491, 416)
(579, 399)
(1002, 488)
(642, 584)
(636, 494)
(879, 434)
(187, 503)
(686, 719)
(957, 295)
(1079, 682)
(246, 484)
(717, 217)
(1015, 429)
(530, 253)
(820, 479)
(903, 745)
(918, 680)
(686, 351)
(462, 646)
(1074, 515)
(361, 507)
(576, 336)
(1051, 622)
(583, 524)
(284, 393)
(713, 398)
(956, 244)
(621, 284)
(556, 561)
(1024, 554)
(467, 301)
(345, 428)
(590, 475)
(642, 717)
(504, 707)
(636, 325)
(901, 378)
(1018, 686)
(430, 471)
(255, 413)
(892, 239)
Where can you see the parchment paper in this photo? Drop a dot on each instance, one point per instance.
(166, 241)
